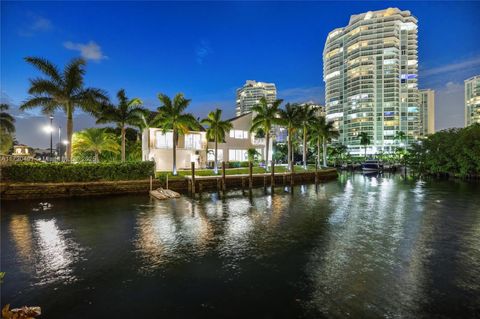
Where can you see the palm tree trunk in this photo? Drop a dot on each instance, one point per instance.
(267, 141)
(365, 152)
(97, 159)
(289, 149)
(215, 165)
(174, 136)
(304, 147)
(324, 142)
(123, 143)
(69, 132)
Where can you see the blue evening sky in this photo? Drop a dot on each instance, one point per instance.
(208, 49)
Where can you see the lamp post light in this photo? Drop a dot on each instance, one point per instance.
(51, 138)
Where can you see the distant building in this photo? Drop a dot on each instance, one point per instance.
(251, 93)
(427, 111)
(22, 150)
(472, 100)
(370, 69)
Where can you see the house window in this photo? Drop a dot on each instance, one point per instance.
(237, 155)
(193, 141)
(163, 140)
(239, 134)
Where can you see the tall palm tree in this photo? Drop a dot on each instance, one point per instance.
(290, 119)
(322, 131)
(95, 140)
(401, 136)
(364, 140)
(127, 112)
(307, 117)
(7, 121)
(62, 90)
(266, 115)
(171, 116)
(217, 129)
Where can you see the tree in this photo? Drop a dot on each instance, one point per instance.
(171, 117)
(322, 131)
(7, 121)
(401, 136)
(266, 115)
(127, 112)
(364, 140)
(96, 141)
(307, 117)
(252, 154)
(7, 128)
(216, 131)
(290, 119)
(62, 90)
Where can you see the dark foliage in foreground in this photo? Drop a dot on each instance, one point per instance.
(453, 152)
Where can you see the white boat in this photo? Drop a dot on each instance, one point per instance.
(372, 166)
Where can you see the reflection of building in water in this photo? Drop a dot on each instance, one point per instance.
(22, 236)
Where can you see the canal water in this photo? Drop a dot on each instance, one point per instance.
(359, 247)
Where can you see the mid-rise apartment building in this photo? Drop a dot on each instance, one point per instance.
(249, 95)
(427, 111)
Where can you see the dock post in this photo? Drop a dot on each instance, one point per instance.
(316, 173)
(272, 182)
(265, 183)
(166, 182)
(284, 179)
(193, 177)
(243, 184)
(250, 175)
(292, 175)
(151, 182)
(224, 184)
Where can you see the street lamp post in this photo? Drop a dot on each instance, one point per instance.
(51, 138)
(59, 147)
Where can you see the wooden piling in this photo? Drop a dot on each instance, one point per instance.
(292, 174)
(316, 173)
(224, 179)
(151, 182)
(250, 175)
(166, 182)
(193, 177)
(272, 182)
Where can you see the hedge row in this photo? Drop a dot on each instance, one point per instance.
(81, 172)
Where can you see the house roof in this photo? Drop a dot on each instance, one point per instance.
(237, 117)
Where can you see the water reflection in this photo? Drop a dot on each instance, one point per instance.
(45, 251)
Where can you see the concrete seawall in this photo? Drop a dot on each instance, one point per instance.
(17, 191)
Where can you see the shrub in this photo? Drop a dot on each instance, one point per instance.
(81, 172)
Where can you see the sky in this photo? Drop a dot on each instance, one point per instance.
(208, 49)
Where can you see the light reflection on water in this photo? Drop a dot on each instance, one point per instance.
(364, 246)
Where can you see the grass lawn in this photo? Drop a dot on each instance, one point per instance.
(229, 171)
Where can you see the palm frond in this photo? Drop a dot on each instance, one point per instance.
(46, 67)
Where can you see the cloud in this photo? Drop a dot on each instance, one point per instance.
(202, 51)
(88, 51)
(453, 67)
(315, 94)
(36, 24)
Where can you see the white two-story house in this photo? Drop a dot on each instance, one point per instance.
(238, 141)
(158, 146)
(192, 147)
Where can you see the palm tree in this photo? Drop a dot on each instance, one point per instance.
(364, 140)
(127, 112)
(217, 129)
(171, 116)
(95, 140)
(252, 154)
(290, 119)
(62, 90)
(322, 131)
(307, 116)
(401, 136)
(265, 116)
(7, 122)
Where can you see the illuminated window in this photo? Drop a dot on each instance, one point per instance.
(193, 141)
(163, 140)
(237, 155)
